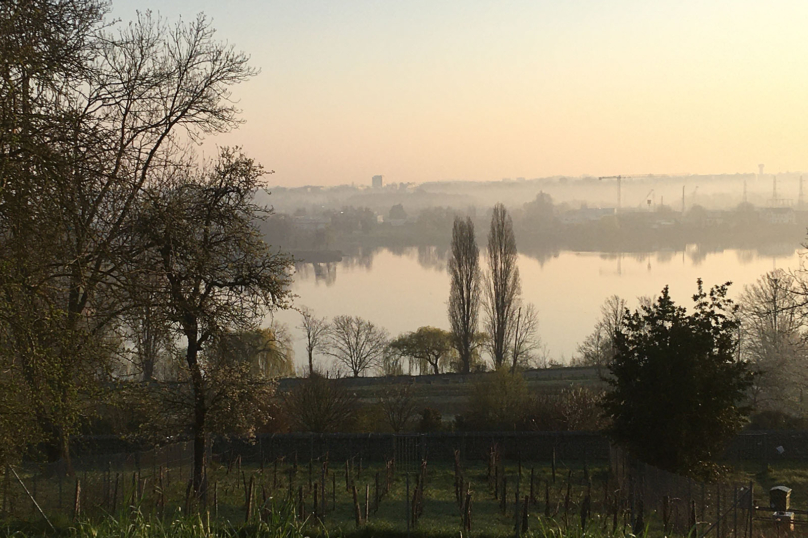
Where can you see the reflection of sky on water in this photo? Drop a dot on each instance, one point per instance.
(408, 289)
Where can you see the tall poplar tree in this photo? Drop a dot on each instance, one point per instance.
(464, 294)
(502, 285)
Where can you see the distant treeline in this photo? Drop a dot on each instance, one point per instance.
(543, 228)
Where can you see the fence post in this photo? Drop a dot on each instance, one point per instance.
(357, 511)
(554, 465)
(407, 504)
(517, 512)
(215, 499)
(114, 493)
(367, 502)
(525, 509)
(323, 473)
(734, 510)
(751, 506)
(5, 491)
(467, 512)
(585, 509)
(77, 501)
(718, 511)
(639, 523)
(249, 507)
(302, 503)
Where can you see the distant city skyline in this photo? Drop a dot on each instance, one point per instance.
(431, 91)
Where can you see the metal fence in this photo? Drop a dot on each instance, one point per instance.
(683, 505)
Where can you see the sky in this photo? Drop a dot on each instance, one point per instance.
(468, 90)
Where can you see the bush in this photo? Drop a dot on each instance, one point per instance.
(777, 420)
(498, 401)
(431, 421)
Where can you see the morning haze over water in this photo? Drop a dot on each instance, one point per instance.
(404, 291)
(380, 252)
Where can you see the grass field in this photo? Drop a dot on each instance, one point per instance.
(141, 507)
(228, 493)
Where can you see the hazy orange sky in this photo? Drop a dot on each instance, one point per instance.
(433, 90)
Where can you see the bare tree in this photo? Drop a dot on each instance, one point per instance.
(774, 320)
(318, 404)
(216, 276)
(356, 343)
(524, 337)
(599, 347)
(399, 405)
(315, 330)
(464, 294)
(502, 284)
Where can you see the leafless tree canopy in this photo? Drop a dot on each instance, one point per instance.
(315, 331)
(598, 348)
(399, 406)
(318, 404)
(774, 321)
(356, 343)
(502, 284)
(464, 294)
(524, 337)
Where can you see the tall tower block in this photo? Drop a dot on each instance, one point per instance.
(760, 171)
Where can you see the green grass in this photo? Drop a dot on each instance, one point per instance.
(441, 515)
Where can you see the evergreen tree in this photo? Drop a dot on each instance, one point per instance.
(676, 387)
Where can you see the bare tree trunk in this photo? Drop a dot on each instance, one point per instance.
(200, 413)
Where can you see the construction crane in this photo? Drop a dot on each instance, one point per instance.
(647, 199)
(619, 186)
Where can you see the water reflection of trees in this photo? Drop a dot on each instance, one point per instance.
(325, 273)
(541, 254)
(665, 256)
(362, 258)
(432, 257)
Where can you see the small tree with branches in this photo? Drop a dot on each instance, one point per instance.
(315, 331)
(356, 343)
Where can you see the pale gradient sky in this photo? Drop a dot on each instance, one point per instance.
(432, 90)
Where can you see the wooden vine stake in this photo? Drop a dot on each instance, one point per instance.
(77, 502)
(357, 510)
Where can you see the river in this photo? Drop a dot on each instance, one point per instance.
(407, 289)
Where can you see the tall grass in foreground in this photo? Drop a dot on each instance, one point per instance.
(280, 522)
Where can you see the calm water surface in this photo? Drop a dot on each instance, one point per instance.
(406, 290)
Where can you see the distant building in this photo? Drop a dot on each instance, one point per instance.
(587, 214)
(779, 215)
(377, 182)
